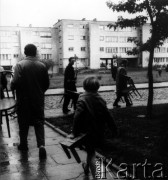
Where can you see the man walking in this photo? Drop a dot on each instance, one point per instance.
(69, 86)
(121, 84)
(30, 82)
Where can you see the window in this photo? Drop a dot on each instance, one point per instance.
(71, 49)
(70, 25)
(125, 49)
(46, 46)
(16, 44)
(5, 56)
(16, 55)
(35, 33)
(59, 28)
(5, 45)
(70, 37)
(82, 26)
(59, 39)
(5, 33)
(45, 34)
(36, 44)
(101, 27)
(15, 33)
(101, 38)
(83, 48)
(46, 56)
(111, 50)
(123, 39)
(156, 50)
(83, 37)
(127, 29)
(111, 39)
(106, 28)
(101, 49)
(160, 50)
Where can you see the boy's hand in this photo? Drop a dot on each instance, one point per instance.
(71, 136)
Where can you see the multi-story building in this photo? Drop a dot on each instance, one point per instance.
(14, 39)
(91, 41)
(160, 54)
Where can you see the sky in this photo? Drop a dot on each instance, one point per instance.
(45, 13)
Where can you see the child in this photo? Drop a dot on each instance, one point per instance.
(90, 117)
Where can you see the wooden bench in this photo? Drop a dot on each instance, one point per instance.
(69, 145)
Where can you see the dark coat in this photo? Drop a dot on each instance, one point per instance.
(69, 78)
(121, 79)
(91, 116)
(30, 82)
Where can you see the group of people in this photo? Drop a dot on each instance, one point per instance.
(31, 80)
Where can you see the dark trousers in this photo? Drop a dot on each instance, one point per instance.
(67, 97)
(25, 118)
(119, 95)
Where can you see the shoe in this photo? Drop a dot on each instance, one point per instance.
(128, 105)
(116, 105)
(42, 153)
(66, 111)
(22, 147)
(85, 168)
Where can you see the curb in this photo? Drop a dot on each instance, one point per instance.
(56, 129)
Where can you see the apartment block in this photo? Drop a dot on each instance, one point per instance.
(160, 54)
(92, 41)
(14, 39)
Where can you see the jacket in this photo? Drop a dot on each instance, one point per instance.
(121, 79)
(92, 115)
(69, 78)
(30, 82)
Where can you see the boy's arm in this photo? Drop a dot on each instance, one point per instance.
(78, 117)
(111, 123)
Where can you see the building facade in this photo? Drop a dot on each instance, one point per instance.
(92, 41)
(14, 39)
(160, 54)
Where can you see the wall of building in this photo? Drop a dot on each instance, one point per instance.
(160, 54)
(90, 40)
(14, 39)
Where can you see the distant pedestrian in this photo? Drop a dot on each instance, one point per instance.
(3, 82)
(69, 86)
(90, 117)
(121, 84)
(159, 71)
(30, 82)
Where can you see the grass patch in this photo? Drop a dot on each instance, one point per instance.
(139, 76)
(139, 138)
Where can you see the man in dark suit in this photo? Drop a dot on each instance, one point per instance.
(30, 82)
(70, 86)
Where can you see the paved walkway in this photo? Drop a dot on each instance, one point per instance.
(17, 166)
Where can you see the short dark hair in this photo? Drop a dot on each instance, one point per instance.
(70, 59)
(91, 84)
(30, 50)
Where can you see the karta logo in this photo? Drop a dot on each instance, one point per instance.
(143, 170)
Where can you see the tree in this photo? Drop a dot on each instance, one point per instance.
(156, 13)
